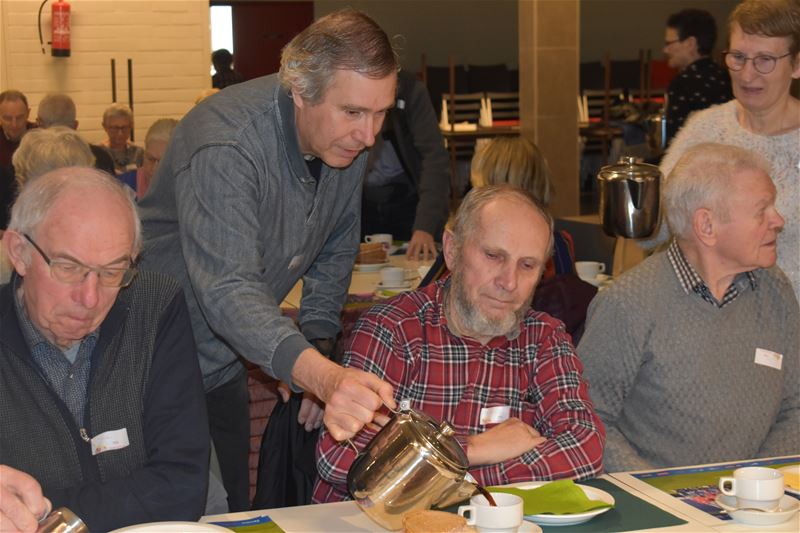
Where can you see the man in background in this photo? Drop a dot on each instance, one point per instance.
(260, 188)
(58, 109)
(407, 186)
(14, 112)
(688, 42)
(224, 75)
(693, 356)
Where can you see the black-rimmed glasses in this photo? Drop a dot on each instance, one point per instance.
(73, 272)
(763, 63)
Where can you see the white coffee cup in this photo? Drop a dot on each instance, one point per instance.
(589, 269)
(755, 487)
(383, 238)
(393, 277)
(506, 516)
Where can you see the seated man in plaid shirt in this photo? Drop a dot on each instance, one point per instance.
(468, 349)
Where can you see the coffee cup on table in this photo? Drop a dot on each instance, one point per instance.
(505, 516)
(384, 238)
(589, 269)
(755, 487)
(393, 277)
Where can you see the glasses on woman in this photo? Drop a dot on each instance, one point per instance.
(763, 63)
(73, 272)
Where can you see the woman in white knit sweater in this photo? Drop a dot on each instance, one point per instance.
(763, 59)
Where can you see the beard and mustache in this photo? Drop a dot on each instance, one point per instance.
(472, 320)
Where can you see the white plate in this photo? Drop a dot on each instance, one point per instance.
(403, 286)
(172, 527)
(791, 469)
(787, 508)
(568, 519)
(370, 267)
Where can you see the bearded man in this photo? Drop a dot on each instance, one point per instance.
(468, 349)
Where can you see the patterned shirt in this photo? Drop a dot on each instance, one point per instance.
(700, 85)
(691, 281)
(69, 380)
(407, 343)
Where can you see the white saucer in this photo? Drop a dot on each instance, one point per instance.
(403, 286)
(568, 519)
(787, 508)
(369, 267)
(787, 471)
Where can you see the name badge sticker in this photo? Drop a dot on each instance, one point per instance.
(110, 440)
(495, 415)
(768, 358)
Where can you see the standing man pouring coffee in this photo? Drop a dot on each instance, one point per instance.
(261, 187)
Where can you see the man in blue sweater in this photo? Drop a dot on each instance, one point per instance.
(694, 355)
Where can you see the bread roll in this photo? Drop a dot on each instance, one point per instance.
(420, 521)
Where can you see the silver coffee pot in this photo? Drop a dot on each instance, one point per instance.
(413, 462)
(629, 198)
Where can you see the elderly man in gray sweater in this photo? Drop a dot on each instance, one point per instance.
(694, 355)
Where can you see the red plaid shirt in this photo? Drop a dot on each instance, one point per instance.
(537, 374)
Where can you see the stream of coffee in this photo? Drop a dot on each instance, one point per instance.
(486, 494)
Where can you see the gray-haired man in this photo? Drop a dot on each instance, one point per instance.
(261, 187)
(694, 355)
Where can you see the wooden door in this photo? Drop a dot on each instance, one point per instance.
(262, 29)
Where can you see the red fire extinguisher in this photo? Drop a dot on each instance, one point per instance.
(60, 23)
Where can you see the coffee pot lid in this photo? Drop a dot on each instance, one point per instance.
(629, 168)
(436, 438)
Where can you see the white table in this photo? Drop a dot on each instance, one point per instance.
(361, 282)
(346, 517)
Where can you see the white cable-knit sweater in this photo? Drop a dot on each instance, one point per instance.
(720, 124)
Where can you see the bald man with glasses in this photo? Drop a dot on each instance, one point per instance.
(101, 398)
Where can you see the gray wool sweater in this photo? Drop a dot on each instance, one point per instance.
(675, 379)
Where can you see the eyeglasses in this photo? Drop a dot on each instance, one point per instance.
(72, 272)
(763, 63)
(673, 41)
(118, 128)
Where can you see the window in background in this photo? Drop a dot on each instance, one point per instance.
(221, 30)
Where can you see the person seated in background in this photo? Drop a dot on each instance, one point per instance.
(41, 151)
(407, 184)
(469, 349)
(519, 162)
(100, 391)
(58, 109)
(693, 356)
(14, 112)
(224, 74)
(155, 145)
(46, 149)
(701, 82)
(118, 123)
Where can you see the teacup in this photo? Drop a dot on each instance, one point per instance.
(393, 276)
(384, 238)
(589, 269)
(506, 516)
(755, 487)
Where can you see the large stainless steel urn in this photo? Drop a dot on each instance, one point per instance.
(629, 198)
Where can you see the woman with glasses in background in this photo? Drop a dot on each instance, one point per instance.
(118, 123)
(763, 59)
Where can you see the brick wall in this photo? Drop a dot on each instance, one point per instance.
(168, 41)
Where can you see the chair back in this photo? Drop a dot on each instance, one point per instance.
(505, 106)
